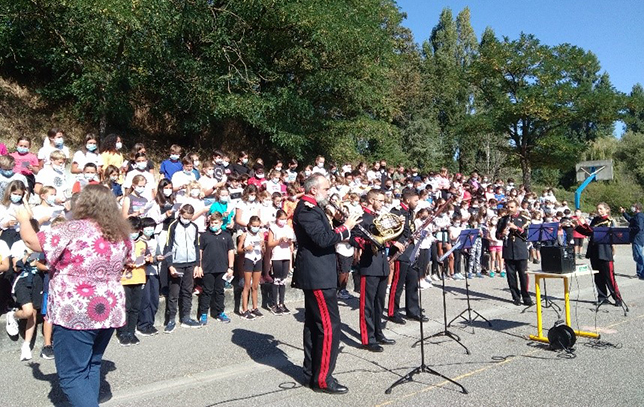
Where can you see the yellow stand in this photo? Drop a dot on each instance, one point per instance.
(538, 276)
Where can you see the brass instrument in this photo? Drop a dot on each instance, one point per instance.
(525, 226)
(388, 225)
(420, 229)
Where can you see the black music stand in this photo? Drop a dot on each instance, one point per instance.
(423, 368)
(446, 332)
(468, 237)
(611, 235)
(544, 232)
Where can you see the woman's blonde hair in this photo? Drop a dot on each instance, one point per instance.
(97, 203)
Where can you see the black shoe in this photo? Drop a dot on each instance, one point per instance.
(397, 319)
(333, 388)
(418, 318)
(601, 302)
(618, 303)
(385, 341)
(528, 302)
(373, 347)
(516, 302)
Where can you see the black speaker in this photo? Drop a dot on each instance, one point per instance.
(558, 259)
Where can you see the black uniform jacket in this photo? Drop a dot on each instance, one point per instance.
(315, 264)
(515, 246)
(597, 251)
(373, 262)
(404, 211)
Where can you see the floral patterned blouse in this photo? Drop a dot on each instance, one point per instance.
(85, 290)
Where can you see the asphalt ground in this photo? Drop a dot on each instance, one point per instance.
(248, 363)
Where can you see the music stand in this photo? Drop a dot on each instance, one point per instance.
(423, 368)
(611, 235)
(544, 232)
(468, 237)
(446, 332)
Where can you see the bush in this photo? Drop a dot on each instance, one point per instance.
(615, 193)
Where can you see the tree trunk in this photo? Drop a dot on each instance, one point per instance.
(526, 168)
(102, 125)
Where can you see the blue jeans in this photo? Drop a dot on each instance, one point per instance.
(78, 362)
(638, 256)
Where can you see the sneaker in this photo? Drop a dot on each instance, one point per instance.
(470, 275)
(502, 274)
(424, 284)
(169, 328)
(275, 310)
(197, 290)
(124, 339)
(428, 279)
(458, 276)
(247, 315)
(144, 331)
(435, 277)
(479, 275)
(284, 310)
(190, 323)
(257, 313)
(134, 340)
(47, 352)
(153, 331)
(491, 274)
(342, 295)
(25, 351)
(223, 318)
(12, 324)
(203, 319)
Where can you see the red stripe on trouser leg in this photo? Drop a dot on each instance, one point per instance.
(328, 335)
(392, 290)
(611, 275)
(364, 337)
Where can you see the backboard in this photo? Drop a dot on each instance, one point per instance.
(585, 168)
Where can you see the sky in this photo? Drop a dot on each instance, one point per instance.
(612, 29)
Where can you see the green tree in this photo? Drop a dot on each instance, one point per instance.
(633, 115)
(546, 101)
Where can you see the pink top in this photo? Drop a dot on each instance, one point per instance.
(85, 290)
(3, 149)
(19, 167)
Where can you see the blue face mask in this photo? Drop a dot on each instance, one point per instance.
(148, 231)
(254, 229)
(22, 150)
(134, 236)
(90, 147)
(7, 173)
(215, 229)
(16, 198)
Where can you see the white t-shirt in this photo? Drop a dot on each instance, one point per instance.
(207, 182)
(150, 183)
(81, 158)
(48, 177)
(41, 211)
(283, 250)
(5, 252)
(272, 187)
(46, 150)
(4, 181)
(247, 209)
(181, 179)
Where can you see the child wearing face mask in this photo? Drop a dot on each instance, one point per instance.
(150, 292)
(223, 206)
(135, 202)
(87, 154)
(194, 197)
(53, 175)
(208, 182)
(217, 259)
(111, 180)
(496, 248)
(133, 281)
(140, 167)
(7, 174)
(267, 210)
(280, 240)
(173, 164)
(181, 179)
(89, 177)
(15, 198)
(48, 210)
(251, 245)
(274, 184)
(55, 141)
(184, 259)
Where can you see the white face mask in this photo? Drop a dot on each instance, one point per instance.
(195, 193)
(210, 172)
(251, 198)
(119, 145)
(281, 222)
(320, 165)
(59, 168)
(196, 163)
(114, 178)
(267, 203)
(218, 161)
(174, 157)
(184, 220)
(167, 191)
(226, 163)
(259, 176)
(276, 180)
(142, 165)
(59, 141)
(244, 160)
(89, 177)
(139, 190)
(224, 198)
(307, 173)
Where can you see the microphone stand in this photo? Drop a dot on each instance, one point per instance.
(423, 368)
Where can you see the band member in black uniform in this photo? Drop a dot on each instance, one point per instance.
(315, 273)
(374, 272)
(403, 275)
(601, 256)
(512, 229)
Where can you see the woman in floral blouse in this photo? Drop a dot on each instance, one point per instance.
(86, 303)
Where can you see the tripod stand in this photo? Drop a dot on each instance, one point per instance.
(423, 368)
(446, 332)
(547, 302)
(469, 309)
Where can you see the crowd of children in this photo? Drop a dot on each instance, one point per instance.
(202, 224)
